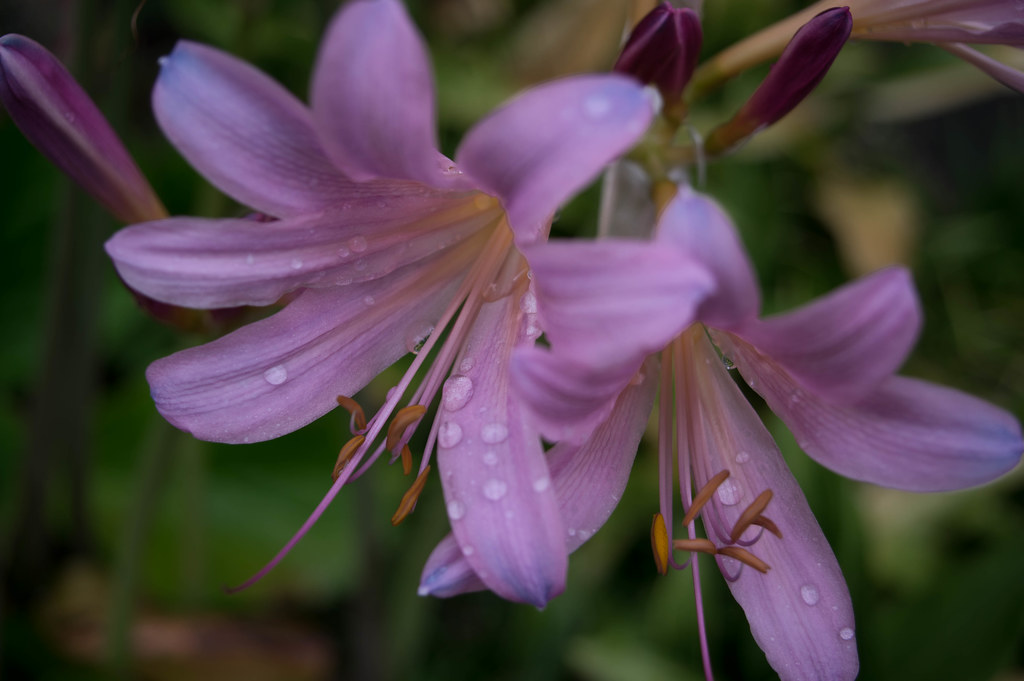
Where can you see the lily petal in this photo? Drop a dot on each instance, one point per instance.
(842, 345)
(245, 133)
(588, 480)
(800, 611)
(697, 225)
(496, 482)
(276, 375)
(221, 263)
(547, 143)
(908, 434)
(373, 95)
(613, 301)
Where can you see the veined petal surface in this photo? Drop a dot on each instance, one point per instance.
(541, 147)
(800, 611)
(207, 263)
(496, 481)
(842, 345)
(373, 95)
(907, 433)
(245, 133)
(276, 375)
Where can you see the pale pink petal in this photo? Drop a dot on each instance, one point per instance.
(908, 433)
(276, 375)
(799, 611)
(842, 345)
(696, 225)
(551, 141)
(221, 263)
(373, 95)
(496, 482)
(613, 301)
(245, 133)
(1007, 75)
(588, 480)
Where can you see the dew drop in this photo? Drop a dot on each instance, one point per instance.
(495, 489)
(296, 264)
(449, 434)
(541, 484)
(493, 433)
(729, 364)
(490, 458)
(729, 493)
(528, 303)
(742, 457)
(457, 392)
(361, 265)
(596, 106)
(456, 510)
(370, 301)
(357, 244)
(417, 335)
(846, 633)
(572, 531)
(585, 535)
(276, 375)
(344, 253)
(467, 365)
(809, 593)
(468, 551)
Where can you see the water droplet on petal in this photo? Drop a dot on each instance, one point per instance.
(468, 551)
(585, 534)
(493, 433)
(456, 510)
(541, 484)
(467, 365)
(596, 106)
(357, 244)
(296, 264)
(572, 531)
(528, 303)
(417, 335)
(729, 364)
(370, 301)
(449, 434)
(742, 457)
(729, 493)
(276, 375)
(809, 593)
(846, 633)
(344, 253)
(490, 458)
(457, 392)
(495, 489)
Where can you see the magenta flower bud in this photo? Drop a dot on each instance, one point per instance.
(802, 65)
(60, 120)
(663, 49)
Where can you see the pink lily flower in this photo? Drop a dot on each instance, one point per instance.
(385, 247)
(620, 315)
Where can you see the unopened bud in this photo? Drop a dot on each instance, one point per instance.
(58, 117)
(802, 65)
(663, 49)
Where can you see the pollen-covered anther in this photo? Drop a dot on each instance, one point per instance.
(358, 415)
(704, 495)
(409, 499)
(767, 524)
(745, 557)
(406, 460)
(659, 543)
(750, 514)
(402, 420)
(346, 454)
(699, 545)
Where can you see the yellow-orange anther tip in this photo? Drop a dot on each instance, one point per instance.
(405, 417)
(346, 454)
(659, 543)
(750, 514)
(406, 460)
(409, 499)
(745, 557)
(354, 408)
(704, 496)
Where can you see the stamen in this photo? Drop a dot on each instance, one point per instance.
(402, 420)
(659, 543)
(406, 460)
(750, 514)
(745, 557)
(408, 503)
(346, 454)
(358, 415)
(704, 496)
(701, 545)
(767, 524)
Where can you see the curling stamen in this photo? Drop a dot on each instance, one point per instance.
(346, 454)
(358, 415)
(767, 524)
(750, 514)
(745, 557)
(409, 499)
(404, 418)
(704, 496)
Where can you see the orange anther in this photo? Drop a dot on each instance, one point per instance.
(768, 525)
(659, 543)
(745, 557)
(703, 496)
(403, 419)
(750, 514)
(358, 415)
(346, 454)
(409, 499)
(406, 460)
(701, 545)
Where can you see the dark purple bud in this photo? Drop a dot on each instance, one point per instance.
(57, 116)
(663, 49)
(802, 65)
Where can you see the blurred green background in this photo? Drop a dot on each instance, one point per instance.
(118, 532)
